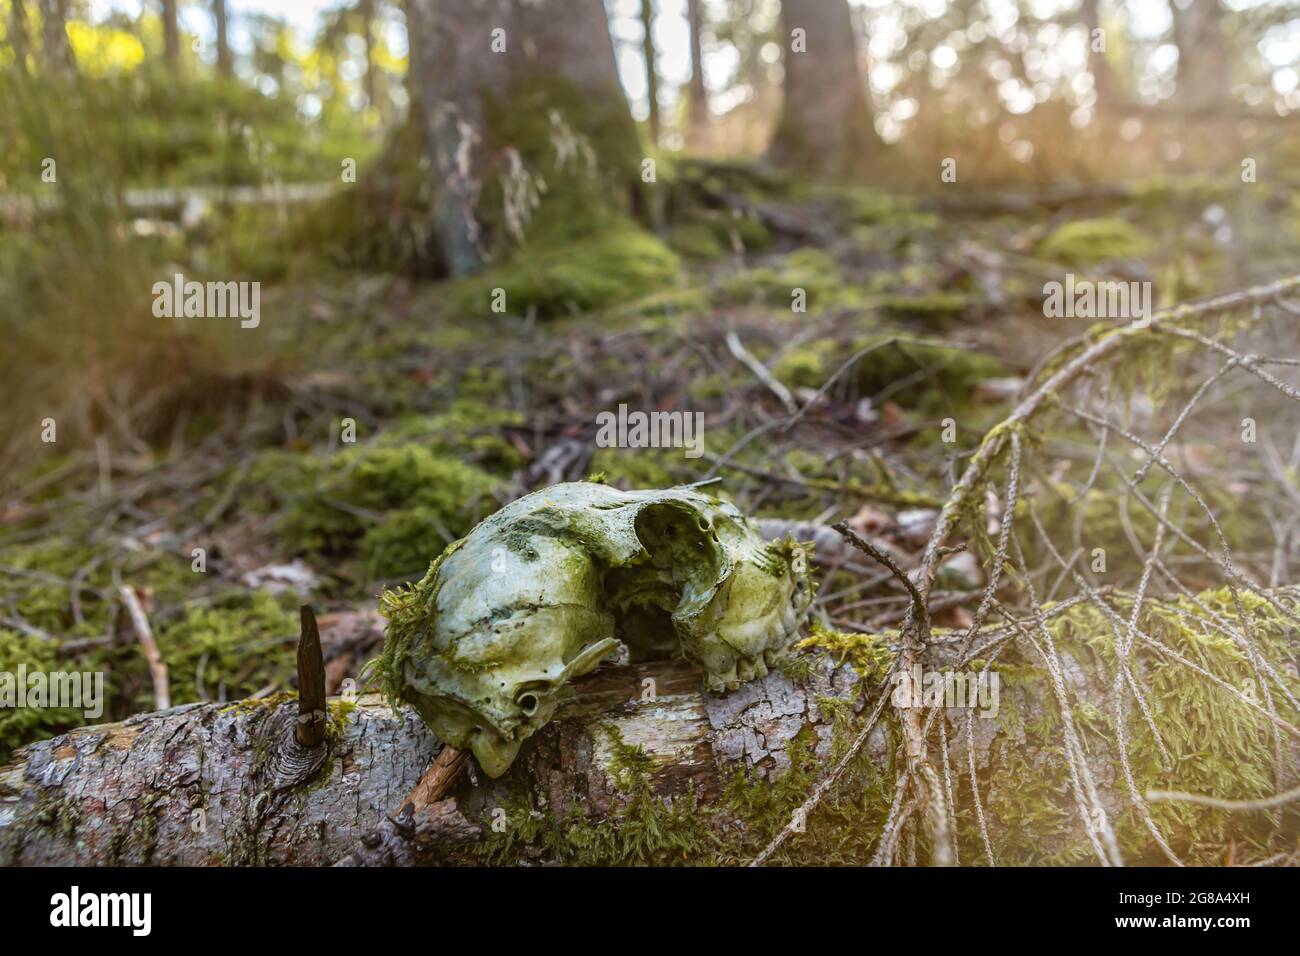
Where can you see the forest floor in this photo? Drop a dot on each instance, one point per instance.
(830, 337)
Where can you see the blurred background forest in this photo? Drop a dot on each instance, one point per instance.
(283, 98)
(465, 253)
(104, 101)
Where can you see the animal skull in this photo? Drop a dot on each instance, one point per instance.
(545, 589)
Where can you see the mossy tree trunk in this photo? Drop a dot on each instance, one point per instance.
(826, 124)
(503, 88)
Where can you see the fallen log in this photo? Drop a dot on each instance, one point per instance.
(213, 784)
(205, 784)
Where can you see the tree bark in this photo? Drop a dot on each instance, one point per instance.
(476, 53)
(826, 125)
(1102, 77)
(228, 784)
(366, 11)
(225, 65)
(651, 73)
(699, 96)
(414, 48)
(54, 32)
(1204, 61)
(18, 36)
(207, 784)
(171, 35)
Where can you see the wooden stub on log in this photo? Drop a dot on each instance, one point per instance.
(439, 779)
(310, 729)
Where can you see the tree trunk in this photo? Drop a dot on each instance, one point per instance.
(548, 62)
(366, 11)
(826, 125)
(18, 36)
(1204, 61)
(171, 35)
(1102, 77)
(411, 14)
(225, 65)
(651, 73)
(54, 32)
(699, 97)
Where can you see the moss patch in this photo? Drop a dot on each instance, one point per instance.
(1091, 241)
(391, 505)
(1217, 743)
(620, 262)
(813, 271)
(927, 375)
(243, 648)
(23, 725)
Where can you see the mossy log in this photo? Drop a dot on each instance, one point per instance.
(642, 765)
(207, 784)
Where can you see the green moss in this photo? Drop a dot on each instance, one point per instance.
(469, 429)
(647, 467)
(23, 725)
(812, 270)
(866, 652)
(646, 829)
(392, 504)
(712, 234)
(1218, 744)
(580, 199)
(841, 831)
(39, 586)
(874, 207)
(934, 306)
(407, 609)
(927, 375)
(807, 366)
(678, 301)
(1090, 241)
(696, 240)
(619, 262)
(244, 646)
(340, 712)
(1101, 523)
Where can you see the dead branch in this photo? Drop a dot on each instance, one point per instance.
(162, 696)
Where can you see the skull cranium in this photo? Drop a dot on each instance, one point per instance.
(543, 590)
